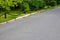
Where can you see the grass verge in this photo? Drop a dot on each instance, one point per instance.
(18, 13)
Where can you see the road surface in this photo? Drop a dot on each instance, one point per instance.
(41, 26)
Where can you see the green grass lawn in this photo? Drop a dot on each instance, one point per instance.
(11, 15)
(16, 13)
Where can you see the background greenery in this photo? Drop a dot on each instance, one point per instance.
(16, 8)
(26, 5)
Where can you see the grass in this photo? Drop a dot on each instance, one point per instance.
(16, 13)
(11, 15)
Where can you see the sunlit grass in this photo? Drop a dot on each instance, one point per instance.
(16, 13)
(11, 15)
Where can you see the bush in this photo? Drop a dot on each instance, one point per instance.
(58, 1)
(25, 6)
(6, 4)
(50, 2)
(36, 4)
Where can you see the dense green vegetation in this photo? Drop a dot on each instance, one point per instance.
(27, 5)
(24, 6)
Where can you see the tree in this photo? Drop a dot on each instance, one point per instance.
(6, 4)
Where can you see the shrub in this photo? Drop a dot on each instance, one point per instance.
(25, 6)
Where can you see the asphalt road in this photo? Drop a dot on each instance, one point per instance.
(41, 26)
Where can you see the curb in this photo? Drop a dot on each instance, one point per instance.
(19, 18)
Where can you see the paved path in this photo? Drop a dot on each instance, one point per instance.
(42, 26)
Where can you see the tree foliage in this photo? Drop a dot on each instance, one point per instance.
(6, 4)
(27, 4)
